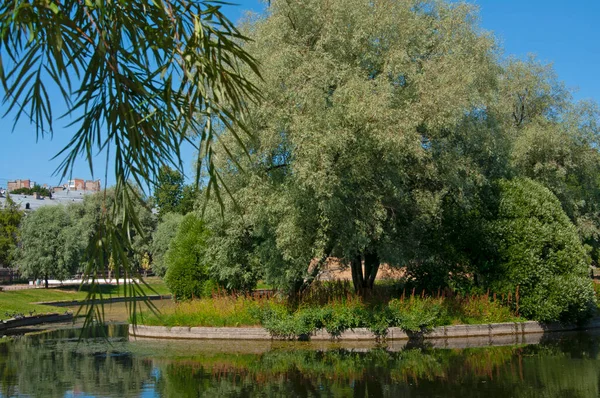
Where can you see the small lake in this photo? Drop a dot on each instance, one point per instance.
(56, 364)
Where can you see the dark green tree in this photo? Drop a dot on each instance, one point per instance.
(168, 192)
(187, 273)
(540, 254)
(89, 216)
(10, 218)
(36, 189)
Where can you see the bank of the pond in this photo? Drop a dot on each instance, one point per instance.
(441, 332)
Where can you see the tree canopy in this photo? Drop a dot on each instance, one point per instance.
(36, 189)
(49, 246)
(165, 232)
(171, 195)
(346, 150)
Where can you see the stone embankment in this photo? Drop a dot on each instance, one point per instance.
(25, 321)
(490, 331)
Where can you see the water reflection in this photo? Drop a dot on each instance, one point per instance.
(57, 365)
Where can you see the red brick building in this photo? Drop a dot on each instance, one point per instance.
(78, 184)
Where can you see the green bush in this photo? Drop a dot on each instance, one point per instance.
(541, 253)
(187, 272)
(415, 315)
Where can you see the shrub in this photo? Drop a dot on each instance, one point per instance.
(541, 253)
(276, 318)
(479, 309)
(415, 315)
(187, 272)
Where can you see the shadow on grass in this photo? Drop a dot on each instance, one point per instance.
(104, 289)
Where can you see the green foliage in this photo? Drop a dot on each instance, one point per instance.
(189, 195)
(541, 253)
(30, 191)
(170, 193)
(49, 246)
(10, 218)
(414, 315)
(564, 157)
(187, 272)
(417, 315)
(168, 190)
(165, 232)
(90, 216)
(344, 156)
(372, 150)
(230, 251)
(146, 89)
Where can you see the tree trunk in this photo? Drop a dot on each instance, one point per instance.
(364, 270)
(46, 281)
(371, 269)
(356, 268)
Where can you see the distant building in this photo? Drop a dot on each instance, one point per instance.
(18, 184)
(78, 184)
(92, 185)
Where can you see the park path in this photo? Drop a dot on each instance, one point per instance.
(56, 283)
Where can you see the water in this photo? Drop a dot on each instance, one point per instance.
(58, 365)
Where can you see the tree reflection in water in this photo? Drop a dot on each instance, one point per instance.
(57, 365)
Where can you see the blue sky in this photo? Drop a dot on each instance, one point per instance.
(564, 33)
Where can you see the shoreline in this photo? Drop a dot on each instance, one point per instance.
(489, 331)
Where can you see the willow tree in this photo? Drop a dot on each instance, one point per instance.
(136, 79)
(342, 162)
(49, 246)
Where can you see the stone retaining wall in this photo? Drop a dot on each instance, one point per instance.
(442, 332)
(25, 321)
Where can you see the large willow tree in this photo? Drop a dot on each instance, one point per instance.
(136, 78)
(356, 147)
(385, 128)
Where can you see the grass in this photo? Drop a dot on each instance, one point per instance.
(218, 312)
(335, 307)
(23, 301)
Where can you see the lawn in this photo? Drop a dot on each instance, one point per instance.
(22, 301)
